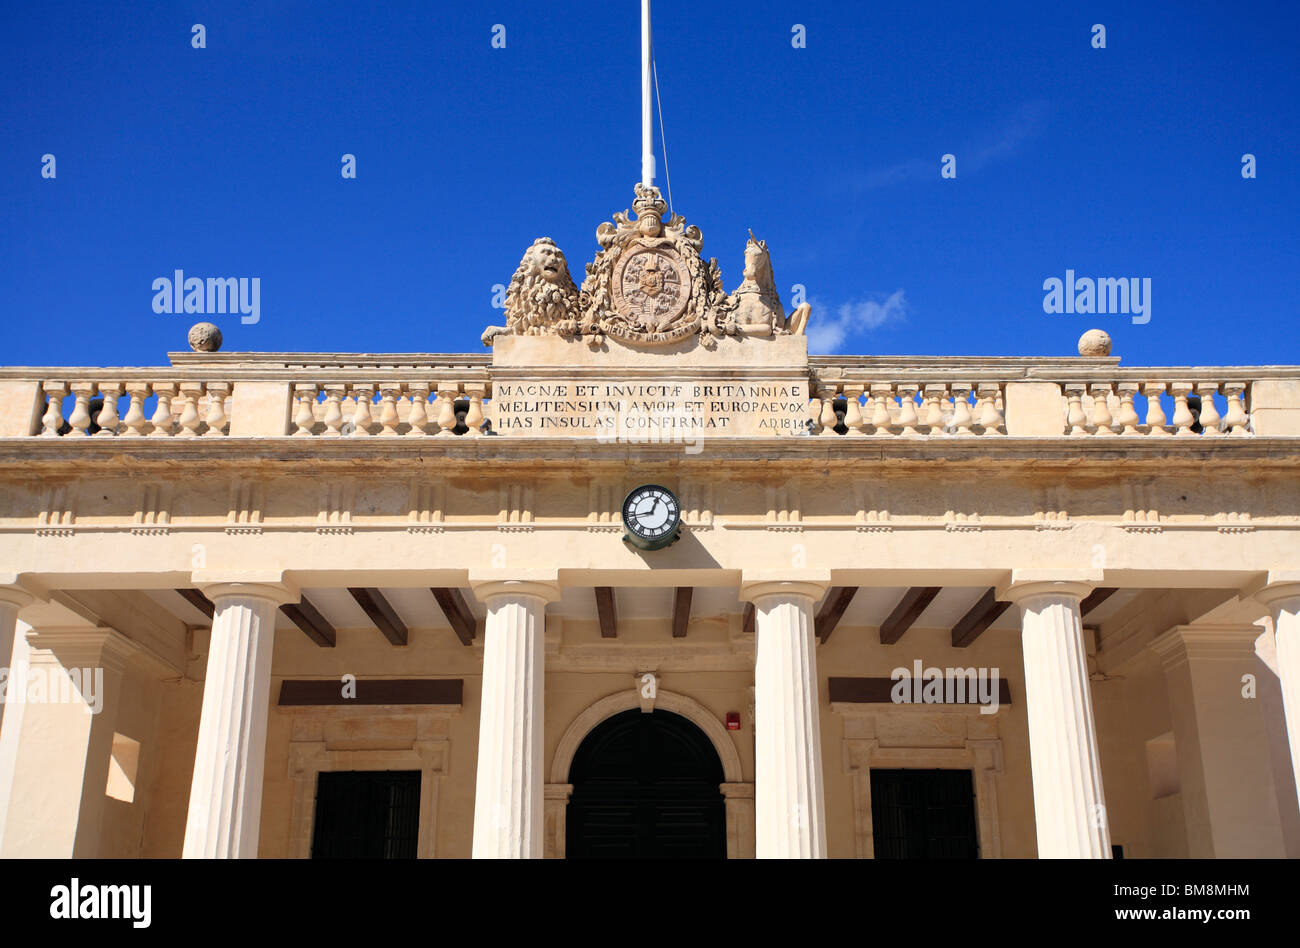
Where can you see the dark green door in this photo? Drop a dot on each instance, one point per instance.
(646, 786)
(367, 814)
(923, 814)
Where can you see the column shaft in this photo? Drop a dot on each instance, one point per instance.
(508, 807)
(1286, 633)
(226, 791)
(1069, 805)
(8, 623)
(790, 816)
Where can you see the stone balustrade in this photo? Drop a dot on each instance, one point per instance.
(319, 395)
(430, 406)
(1085, 397)
(906, 408)
(1133, 407)
(131, 405)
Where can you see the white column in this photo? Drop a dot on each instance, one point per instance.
(789, 809)
(226, 792)
(1283, 601)
(508, 796)
(1069, 805)
(12, 598)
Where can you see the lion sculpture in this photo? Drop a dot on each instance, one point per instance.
(541, 297)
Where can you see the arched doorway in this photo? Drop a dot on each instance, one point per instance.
(646, 786)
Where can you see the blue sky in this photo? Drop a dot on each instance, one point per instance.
(225, 162)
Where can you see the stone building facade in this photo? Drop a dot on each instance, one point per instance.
(225, 579)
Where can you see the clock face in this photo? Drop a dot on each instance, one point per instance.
(652, 517)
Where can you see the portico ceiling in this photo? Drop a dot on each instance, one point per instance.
(418, 608)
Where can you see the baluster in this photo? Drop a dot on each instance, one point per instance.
(934, 395)
(1209, 411)
(447, 392)
(163, 422)
(828, 419)
(815, 410)
(361, 420)
(853, 419)
(1128, 416)
(961, 414)
(305, 417)
(79, 420)
(419, 416)
(880, 420)
(1183, 417)
(216, 416)
(907, 419)
(389, 393)
(108, 419)
(333, 417)
(1156, 420)
(475, 391)
(1234, 421)
(1101, 418)
(1075, 418)
(189, 420)
(52, 420)
(990, 414)
(134, 423)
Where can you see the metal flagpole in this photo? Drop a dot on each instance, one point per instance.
(647, 121)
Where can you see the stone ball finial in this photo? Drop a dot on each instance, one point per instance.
(1094, 342)
(205, 337)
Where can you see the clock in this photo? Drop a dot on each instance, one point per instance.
(652, 518)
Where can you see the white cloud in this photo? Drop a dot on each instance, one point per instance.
(829, 328)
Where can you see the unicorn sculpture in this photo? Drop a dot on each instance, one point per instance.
(754, 308)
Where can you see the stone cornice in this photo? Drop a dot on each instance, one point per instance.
(1166, 455)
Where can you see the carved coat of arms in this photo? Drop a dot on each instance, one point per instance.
(647, 286)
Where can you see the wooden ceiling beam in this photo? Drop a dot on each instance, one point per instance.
(199, 601)
(909, 609)
(306, 617)
(837, 600)
(606, 613)
(452, 604)
(682, 610)
(383, 615)
(1095, 599)
(981, 615)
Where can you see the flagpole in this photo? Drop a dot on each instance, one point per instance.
(647, 121)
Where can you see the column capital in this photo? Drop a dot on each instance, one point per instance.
(1029, 583)
(810, 583)
(1214, 642)
(16, 596)
(19, 589)
(542, 583)
(255, 584)
(1277, 586)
